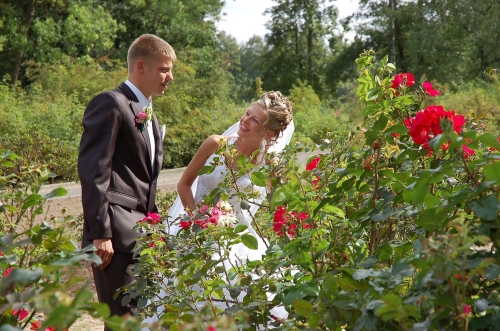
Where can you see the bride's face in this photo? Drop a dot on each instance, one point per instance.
(252, 122)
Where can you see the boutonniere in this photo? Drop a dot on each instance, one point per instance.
(144, 117)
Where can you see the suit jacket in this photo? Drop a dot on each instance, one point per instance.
(114, 165)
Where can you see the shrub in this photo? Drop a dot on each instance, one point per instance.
(36, 148)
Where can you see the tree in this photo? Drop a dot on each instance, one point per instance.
(296, 44)
(449, 40)
(43, 30)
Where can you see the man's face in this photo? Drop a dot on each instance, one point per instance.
(157, 74)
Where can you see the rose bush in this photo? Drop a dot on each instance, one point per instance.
(393, 227)
(39, 259)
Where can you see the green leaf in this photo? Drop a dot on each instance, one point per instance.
(293, 295)
(489, 140)
(258, 179)
(392, 300)
(58, 192)
(82, 297)
(21, 277)
(114, 323)
(431, 219)
(7, 164)
(240, 228)
(384, 252)
(314, 320)
(280, 197)
(421, 189)
(303, 307)
(362, 273)
(249, 241)
(492, 272)
(486, 208)
(330, 285)
(492, 172)
(397, 128)
(436, 142)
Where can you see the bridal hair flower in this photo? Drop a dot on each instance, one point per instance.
(144, 117)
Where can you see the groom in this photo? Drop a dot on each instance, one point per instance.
(121, 153)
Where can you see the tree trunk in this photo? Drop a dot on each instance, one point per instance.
(28, 16)
(401, 48)
(392, 35)
(309, 55)
(17, 66)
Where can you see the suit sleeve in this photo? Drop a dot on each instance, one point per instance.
(101, 122)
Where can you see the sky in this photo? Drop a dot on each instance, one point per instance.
(245, 18)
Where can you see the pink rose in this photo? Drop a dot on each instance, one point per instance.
(141, 117)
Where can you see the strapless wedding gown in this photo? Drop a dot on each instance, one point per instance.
(203, 185)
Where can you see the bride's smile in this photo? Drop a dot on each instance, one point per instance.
(252, 121)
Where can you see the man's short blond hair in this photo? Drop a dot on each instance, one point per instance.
(147, 47)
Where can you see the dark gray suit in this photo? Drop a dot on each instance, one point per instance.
(118, 182)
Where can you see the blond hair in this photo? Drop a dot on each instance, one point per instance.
(148, 47)
(278, 111)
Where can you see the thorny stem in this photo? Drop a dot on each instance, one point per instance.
(374, 197)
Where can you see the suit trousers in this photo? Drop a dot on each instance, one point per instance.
(109, 280)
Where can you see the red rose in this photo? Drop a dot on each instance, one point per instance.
(467, 151)
(291, 230)
(35, 325)
(467, 309)
(398, 79)
(22, 314)
(186, 224)
(313, 164)
(8, 271)
(279, 219)
(429, 89)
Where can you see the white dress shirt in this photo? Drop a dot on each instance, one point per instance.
(145, 103)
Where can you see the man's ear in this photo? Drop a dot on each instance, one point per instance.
(140, 65)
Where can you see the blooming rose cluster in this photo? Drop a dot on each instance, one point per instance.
(151, 218)
(405, 78)
(288, 222)
(427, 124)
(222, 214)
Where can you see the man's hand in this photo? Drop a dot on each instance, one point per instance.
(104, 251)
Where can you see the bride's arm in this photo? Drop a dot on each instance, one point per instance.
(207, 148)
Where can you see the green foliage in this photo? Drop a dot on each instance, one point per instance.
(193, 108)
(38, 258)
(312, 120)
(35, 148)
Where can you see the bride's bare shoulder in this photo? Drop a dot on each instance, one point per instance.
(211, 144)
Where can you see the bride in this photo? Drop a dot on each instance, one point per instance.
(265, 127)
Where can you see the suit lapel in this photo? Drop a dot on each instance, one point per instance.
(156, 135)
(136, 108)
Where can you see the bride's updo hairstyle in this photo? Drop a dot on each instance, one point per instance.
(279, 113)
